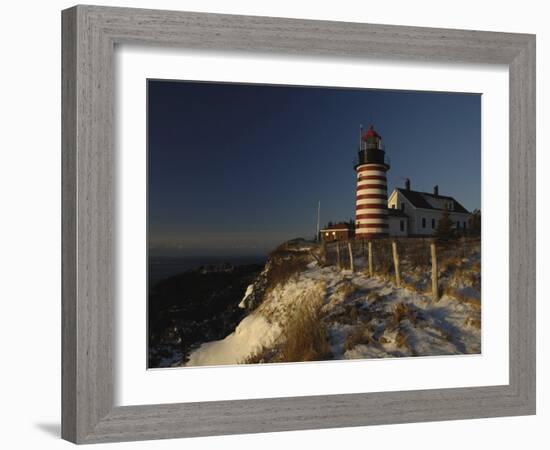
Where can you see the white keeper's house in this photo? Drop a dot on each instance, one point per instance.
(415, 213)
(405, 212)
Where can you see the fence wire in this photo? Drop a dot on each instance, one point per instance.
(414, 253)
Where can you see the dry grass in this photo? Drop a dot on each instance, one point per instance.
(395, 330)
(469, 300)
(361, 335)
(382, 263)
(403, 312)
(346, 288)
(354, 313)
(282, 269)
(449, 264)
(465, 276)
(374, 297)
(415, 253)
(470, 278)
(263, 355)
(350, 314)
(401, 339)
(474, 322)
(306, 337)
(400, 312)
(410, 285)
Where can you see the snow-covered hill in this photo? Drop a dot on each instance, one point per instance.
(319, 313)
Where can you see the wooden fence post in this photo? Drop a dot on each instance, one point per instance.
(396, 263)
(435, 287)
(338, 254)
(371, 272)
(351, 265)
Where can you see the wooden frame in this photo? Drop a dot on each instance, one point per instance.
(89, 36)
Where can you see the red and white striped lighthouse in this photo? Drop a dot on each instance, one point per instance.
(371, 213)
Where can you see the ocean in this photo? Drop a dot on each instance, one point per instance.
(162, 267)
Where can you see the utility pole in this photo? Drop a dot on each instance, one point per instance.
(318, 220)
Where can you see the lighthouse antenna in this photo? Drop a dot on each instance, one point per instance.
(360, 135)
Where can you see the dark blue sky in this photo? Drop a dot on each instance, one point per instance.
(236, 169)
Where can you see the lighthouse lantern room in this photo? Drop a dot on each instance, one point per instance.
(371, 213)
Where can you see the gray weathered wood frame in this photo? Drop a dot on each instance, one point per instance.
(89, 36)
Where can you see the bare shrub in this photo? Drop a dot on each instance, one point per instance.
(306, 334)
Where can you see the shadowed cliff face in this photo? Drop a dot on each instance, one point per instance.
(197, 306)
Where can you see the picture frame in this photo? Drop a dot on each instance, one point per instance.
(89, 37)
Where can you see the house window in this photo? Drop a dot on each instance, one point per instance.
(393, 206)
(433, 224)
(402, 225)
(464, 225)
(423, 222)
(402, 206)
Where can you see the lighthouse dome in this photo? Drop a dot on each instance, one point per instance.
(371, 133)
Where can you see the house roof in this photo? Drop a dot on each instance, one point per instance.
(337, 226)
(418, 200)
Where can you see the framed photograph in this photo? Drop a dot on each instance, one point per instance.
(251, 280)
(277, 224)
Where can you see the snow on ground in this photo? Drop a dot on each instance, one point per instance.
(364, 318)
(251, 335)
(248, 293)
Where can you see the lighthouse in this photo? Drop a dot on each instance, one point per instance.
(371, 213)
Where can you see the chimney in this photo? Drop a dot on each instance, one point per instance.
(436, 190)
(407, 184)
